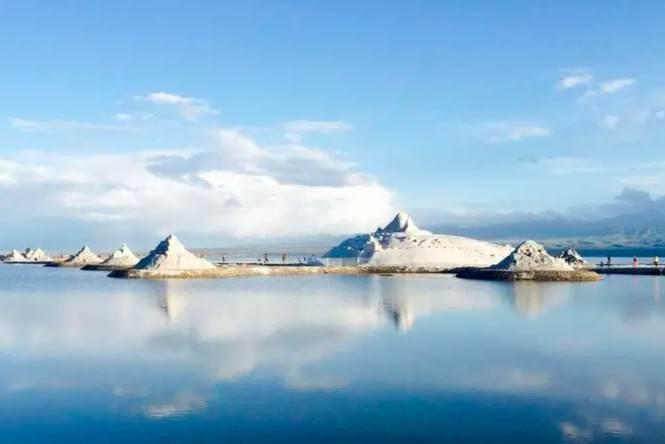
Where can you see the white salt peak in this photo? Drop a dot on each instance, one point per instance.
(170, 254)
(532, 256)
(85, 256)
(122, 257)
(573, 258)
(403, 223)
(36, 255)
(15, 256)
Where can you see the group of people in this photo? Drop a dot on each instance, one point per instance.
(636, 262)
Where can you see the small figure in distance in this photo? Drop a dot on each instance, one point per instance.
(635, 262)
(265, 258)
(656, 260)
(223, 259)
(284, 258)
(609, 260)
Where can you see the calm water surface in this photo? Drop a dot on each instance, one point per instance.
(88, 359)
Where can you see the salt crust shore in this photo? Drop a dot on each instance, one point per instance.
(533, 275)
(228, 271)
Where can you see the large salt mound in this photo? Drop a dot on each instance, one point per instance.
(14, 256)
(171, 255)
(573, 258)
(37, 255)
(85, 256)
(402, 244)
(531, 256)
(530, 262)
(122, 257)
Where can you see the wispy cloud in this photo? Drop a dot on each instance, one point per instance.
(189, 108)
(609, 87)
(508, 131)
(609, 121)
(296, 129)
(562, 166)
(128, 117)
(573, 78)
(47, 126)
(615, 85)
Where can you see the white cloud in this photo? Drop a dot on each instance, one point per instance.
(609, 87)
(610, 121)
(296, 129)
(562, 166)
(127, 117)
(47, 126)
(238, 189)
(189, 108)
(574, 79)
(615, 85)
(508, 131)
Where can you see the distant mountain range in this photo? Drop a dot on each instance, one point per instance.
(624, 231)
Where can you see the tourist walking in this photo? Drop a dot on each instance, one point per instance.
(635, 262)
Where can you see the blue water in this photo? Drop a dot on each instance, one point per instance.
(323, 359)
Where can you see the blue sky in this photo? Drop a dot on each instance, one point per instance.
(303, 118)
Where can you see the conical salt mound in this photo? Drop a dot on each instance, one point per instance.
(572, 257)
(531, 256)
(170, 254)
(37, 255)
(85, 256)
(402, 223)
(15, 256)
(122, 257)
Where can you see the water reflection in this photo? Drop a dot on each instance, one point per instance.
(533, 299)
(174, 349)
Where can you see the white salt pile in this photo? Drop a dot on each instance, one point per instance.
(122, 257)
(402, 244)
(573, 258)
(531, 256)
(14, 256)
(36, 255)
(85, 256)
(171, 255)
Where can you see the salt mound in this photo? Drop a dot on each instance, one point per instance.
(402, 223)
(85, 256)
(531, 256)
(170, 254)
(402, 244)
(37, 255)
(14, 256)
(572, 257)
(122, 257)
